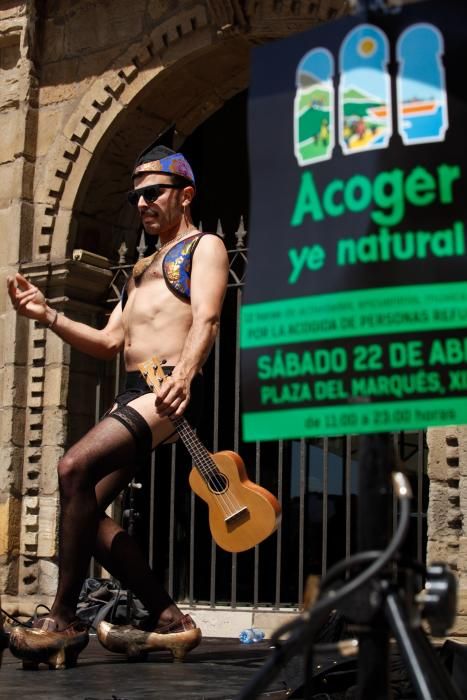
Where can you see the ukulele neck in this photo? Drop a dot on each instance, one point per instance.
(201, 457)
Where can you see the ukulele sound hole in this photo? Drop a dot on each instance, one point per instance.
(218, 483)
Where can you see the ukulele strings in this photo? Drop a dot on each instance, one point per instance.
(207, 467)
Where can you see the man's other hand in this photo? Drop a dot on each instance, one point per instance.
(27, 299)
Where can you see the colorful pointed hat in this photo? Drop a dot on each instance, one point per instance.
(160, 159)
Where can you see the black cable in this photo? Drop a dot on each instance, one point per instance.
(29, 621)
(345, 565)
(363, 558)
(303, 632)
(348, 588)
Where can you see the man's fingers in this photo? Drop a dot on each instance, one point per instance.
(172, 398)
(182, 407)
(168, 391)
(27, 293)
(167, 403)
(22, 281)
(21, 303)
(18, 285)
(11, 287)
(161, 394)
(162, 399)
(13, 293)
(171, 406)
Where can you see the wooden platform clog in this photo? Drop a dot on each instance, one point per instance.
(178, 637)
(45, 644)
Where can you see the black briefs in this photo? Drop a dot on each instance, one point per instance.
(135, 386)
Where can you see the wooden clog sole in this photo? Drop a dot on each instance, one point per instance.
(57, 651)
(137, 643)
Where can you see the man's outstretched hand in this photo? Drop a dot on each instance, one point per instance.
(27, 299)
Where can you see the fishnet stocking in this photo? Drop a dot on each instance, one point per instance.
(89, 479)
(121, 556)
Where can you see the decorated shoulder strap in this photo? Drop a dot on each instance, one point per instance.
(177, 264)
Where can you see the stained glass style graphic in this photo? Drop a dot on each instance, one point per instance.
(314, 107)
(365, 120)
(422, 105)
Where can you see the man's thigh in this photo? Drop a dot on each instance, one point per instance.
(161, 428)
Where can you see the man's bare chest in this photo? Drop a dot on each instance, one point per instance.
(151, 298)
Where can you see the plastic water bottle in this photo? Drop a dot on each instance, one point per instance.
(250, 635)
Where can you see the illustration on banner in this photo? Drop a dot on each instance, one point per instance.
(365, 121)
(364, 93)
(314, 107)
(421, 94)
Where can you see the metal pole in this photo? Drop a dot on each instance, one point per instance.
(374, 532)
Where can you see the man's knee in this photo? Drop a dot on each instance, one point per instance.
(72, 473)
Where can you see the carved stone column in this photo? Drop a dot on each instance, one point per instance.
(18, 102)
(74, 288)
(447, 540)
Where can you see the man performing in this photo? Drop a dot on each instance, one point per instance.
(170, 308)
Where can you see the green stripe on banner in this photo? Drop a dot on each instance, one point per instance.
(357, 418)
(366, 312)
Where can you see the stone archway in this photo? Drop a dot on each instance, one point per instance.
(61, 186)
(175, 98)
(196, 60)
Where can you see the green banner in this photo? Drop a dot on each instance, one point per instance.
(364, 418)
(357, 313)
(355, 304)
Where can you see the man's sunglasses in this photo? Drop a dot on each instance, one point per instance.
(149, 193)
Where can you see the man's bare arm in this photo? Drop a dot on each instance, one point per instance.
(208, 285)
(29, 301)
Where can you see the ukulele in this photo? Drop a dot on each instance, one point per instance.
(241, 513)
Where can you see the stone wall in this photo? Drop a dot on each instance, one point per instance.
(18, 90)
(447, 541)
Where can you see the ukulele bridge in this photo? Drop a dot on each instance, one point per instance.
(239, 514)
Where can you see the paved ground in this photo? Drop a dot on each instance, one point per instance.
(217, 670)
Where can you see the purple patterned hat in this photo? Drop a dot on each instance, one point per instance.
(160, 159)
